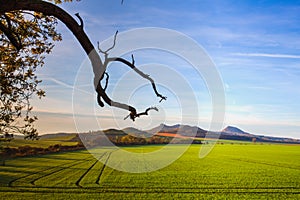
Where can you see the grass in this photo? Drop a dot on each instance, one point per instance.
(43, 143)
(228, 172)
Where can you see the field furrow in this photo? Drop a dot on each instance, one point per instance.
(228, 172)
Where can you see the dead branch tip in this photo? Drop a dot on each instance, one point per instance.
(80, 19)
(134, 115)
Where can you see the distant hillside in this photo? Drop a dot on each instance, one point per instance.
(164, 128)
(179, 131)
(45, 141)
(233, 133)
(233, 130)
(111, 132)
(136, 132)
(184, 130)
(57, 135)
(229, 133)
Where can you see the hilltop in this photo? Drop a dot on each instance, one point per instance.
(228, 133)
(173, 131)
(161, 134)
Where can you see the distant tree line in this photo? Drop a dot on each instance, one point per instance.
(132, 140)
(125, 140)
(118, 140)
(9, 152)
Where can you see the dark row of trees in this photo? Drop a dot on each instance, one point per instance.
(118, 140)
(131, 140)
(9, 152)
(126, 140)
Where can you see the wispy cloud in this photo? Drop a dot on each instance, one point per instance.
(61, 84)
(58, 82)
(268, 55)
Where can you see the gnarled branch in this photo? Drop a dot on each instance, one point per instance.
(99, 68)
(142, 74)
(133, 115)
(106, 81)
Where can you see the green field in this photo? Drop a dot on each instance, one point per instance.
(43, 143)
(230, 171)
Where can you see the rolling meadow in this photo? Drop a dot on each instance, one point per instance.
(230, 171)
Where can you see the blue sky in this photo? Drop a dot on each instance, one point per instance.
(254, 45)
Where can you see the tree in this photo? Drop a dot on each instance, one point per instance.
(27, 33)
(24, 39)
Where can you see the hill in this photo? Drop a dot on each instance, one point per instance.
(63, 136)
(233, 130)
(183, 130)
(64, 139)
(228, 133)
(160, 134)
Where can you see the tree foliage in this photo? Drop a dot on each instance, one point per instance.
(25, 38)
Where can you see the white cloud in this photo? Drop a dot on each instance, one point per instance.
(268, 55)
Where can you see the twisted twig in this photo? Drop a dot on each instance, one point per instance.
(135, 115)
(80, 19)
(113, 46)
(142, 74)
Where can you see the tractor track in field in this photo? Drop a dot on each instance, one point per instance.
(265, 163)
(104, 166)
(87, 171)
(119, 190)
(62, 166)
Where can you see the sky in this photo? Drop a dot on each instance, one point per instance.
(253, 45)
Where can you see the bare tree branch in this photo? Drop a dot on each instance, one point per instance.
(99, 67)
(80, 19)
(142, 74)
(106, 81)
(132, 58)
(113, 46)
(146, 111)
(133, 116)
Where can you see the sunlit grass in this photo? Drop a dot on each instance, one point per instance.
(231, 171)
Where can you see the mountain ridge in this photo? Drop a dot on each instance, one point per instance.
(228, 133)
